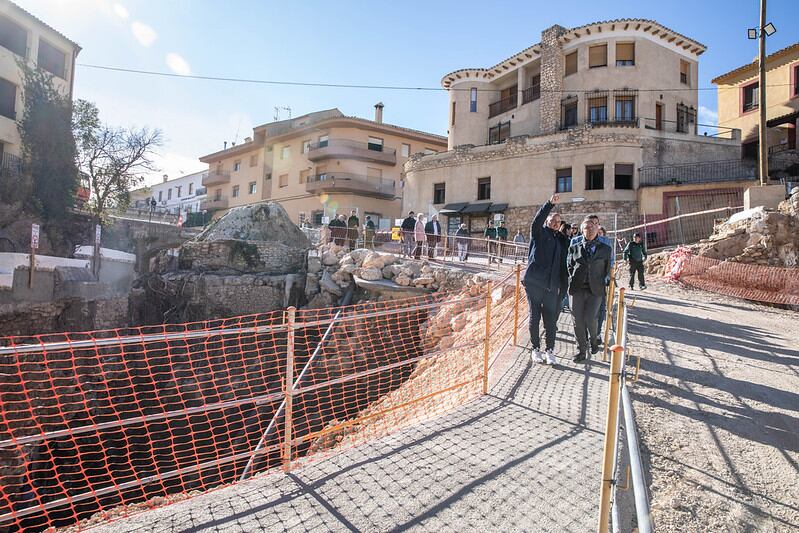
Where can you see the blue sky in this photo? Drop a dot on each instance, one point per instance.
(410, 43)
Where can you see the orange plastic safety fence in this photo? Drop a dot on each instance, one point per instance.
(105, 423)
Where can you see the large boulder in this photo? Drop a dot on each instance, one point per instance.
(265, 221)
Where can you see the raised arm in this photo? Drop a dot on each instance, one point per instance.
(541, 216)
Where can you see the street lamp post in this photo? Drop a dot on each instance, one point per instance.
(762, 32)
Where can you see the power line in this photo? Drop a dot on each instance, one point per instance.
(366, 86)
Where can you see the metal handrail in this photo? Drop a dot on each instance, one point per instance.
(503, 105)
(353, 144)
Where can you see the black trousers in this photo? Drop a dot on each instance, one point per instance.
(543, 304)
(637, 266)
(585, 309)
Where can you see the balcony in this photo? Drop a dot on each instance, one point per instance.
(10, 165)
(705, 172)
(352, 183)
(216, 177)
(531, 94)
(506, 104)
(214, 204)
(347, 149)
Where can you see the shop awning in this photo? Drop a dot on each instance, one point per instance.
(497, 208)
(472, 209)
(451, 209)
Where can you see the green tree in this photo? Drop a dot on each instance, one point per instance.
(48, 147)
(112, 160)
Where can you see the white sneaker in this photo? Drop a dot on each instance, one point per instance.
(551, 357)
(537, 356)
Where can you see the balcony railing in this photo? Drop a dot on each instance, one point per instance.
(216, 177)
(705, 172)
(353, 183)
(531, 94)
(506, 104)
(10, 165)
(348, 149)
(214, 204)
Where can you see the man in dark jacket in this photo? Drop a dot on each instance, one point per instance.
(353, 223)
(407, 233)
(588, 264)
(502, 237)
(433, 232)
(462, 242)
(544, 278)
(338, 230)
(369, 233)
(490, 235)
(635, 253)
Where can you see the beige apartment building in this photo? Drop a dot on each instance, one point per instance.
(26, 38)
(600, 114)
(739, 108)
(319, 165)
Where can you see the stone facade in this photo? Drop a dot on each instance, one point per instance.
(552, 66)
(243, 256)
(520, 218)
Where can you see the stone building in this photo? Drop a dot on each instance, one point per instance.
(318, 165)
(600, 114)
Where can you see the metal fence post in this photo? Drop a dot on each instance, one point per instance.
(486, 346)
(611, 423)
(289, 387)
(516, 304)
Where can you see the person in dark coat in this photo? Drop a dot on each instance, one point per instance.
(433, 232)
(369, 233)
(635, 253)
(502, 237)
(352, 229)
(338, 230)
(545, 278)
(462, 242)
(588, 263)
(406, 233)
(490, 235)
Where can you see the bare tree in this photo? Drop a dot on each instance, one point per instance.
(111, 159)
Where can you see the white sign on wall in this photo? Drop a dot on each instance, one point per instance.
(325, 220)
(34, 236)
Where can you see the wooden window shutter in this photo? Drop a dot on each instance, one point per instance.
(598, 56)
(625, 52)
(571, 63)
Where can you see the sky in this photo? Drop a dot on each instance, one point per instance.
(410, 43)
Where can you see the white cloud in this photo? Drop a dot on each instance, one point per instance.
(177, 64)
(121, 11)
(143, 33)
(708, 116)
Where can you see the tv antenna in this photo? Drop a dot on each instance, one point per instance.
(279, 109)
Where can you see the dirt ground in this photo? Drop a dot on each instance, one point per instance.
(717, 406)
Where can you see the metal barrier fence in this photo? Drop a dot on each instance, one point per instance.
(620, 407)
(132, 418)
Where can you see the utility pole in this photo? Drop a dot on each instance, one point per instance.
(761, 86)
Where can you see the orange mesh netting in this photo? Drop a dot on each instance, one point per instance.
(104, 423)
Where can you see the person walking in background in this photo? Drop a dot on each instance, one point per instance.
(490, 235)
(545, 278)
(462, 242)
(519, 241)
(406, 233)
(502, 237)
(369, 233)
(418, 236)
(433, 231)
(338, 230)
(352, 229)
(635, 253)
(588, 264)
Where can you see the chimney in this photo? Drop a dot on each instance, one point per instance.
(224, 145)
(379, 112)
(247, 139)
(166, 177)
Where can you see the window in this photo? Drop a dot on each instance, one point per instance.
(535, 88)
(571, 63)
(235, 191)
(375, 144)
(598, 109)
(685, 72)
(751, 97)
(796, 80)
(569, 111)
(322, 141)
(285, 153)
(13, 37)
(563, 180)
(405, 151)
(623, 178)
(439, 193)
(372, 172)
(160, 196)
(283, 180)
(484, 189)
(169, 194)
(499, 133)
(179, 187)
(685, 117)
(254, 160)
(598, 56)
(306, 146)
(625, 108)
(625, 54)
(219, 168)
(304, 176)
(8, 99)
(251, 188)
(452, 115)
(236, 166)
(218, 195)
(594, 177)
(52, 59)
(191, 188)
(316, 217)
(473, 100)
